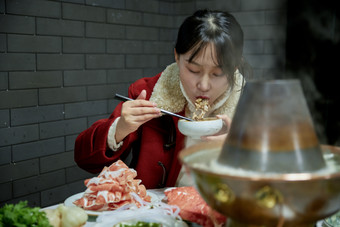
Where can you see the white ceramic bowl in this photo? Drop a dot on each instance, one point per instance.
(196, 129)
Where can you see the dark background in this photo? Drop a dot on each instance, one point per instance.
(312, 55)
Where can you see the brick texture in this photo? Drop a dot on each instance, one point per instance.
(3, 81)
(34, 8)
(61, 62)
(33, 44)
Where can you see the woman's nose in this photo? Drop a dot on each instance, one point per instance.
(204, 83)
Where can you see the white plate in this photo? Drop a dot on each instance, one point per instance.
(69, 201)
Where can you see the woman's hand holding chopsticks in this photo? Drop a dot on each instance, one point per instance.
(134, 114)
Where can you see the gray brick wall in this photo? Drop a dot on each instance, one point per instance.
(62, 61)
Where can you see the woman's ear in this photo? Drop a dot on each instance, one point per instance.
(176, 55)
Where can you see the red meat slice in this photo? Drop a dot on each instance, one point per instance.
(112, 189)
(193, 207)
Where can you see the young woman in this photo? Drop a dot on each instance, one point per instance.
(208, 65)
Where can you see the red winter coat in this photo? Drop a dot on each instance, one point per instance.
(156, 143)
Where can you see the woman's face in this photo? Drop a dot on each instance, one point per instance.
(202, 78)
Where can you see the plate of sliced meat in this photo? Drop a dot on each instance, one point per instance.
(192, 207)
(114, 187)
(70, 201)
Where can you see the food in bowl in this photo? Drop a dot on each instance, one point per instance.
(204, 127)
(202, 106)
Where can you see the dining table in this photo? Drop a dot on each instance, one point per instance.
(91, 222)
(159, 193)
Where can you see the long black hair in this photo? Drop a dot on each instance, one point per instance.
(216, 27)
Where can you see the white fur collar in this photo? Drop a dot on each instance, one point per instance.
(169, 94)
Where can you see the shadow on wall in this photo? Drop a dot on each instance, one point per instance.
(312, 50)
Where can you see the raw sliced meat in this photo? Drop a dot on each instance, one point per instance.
(193, 208)
(111, 189)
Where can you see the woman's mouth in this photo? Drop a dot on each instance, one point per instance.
(202, 97)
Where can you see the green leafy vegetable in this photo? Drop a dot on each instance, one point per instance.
(20, 215)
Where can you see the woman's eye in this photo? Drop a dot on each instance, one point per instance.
(218, 74)
(193, 71)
